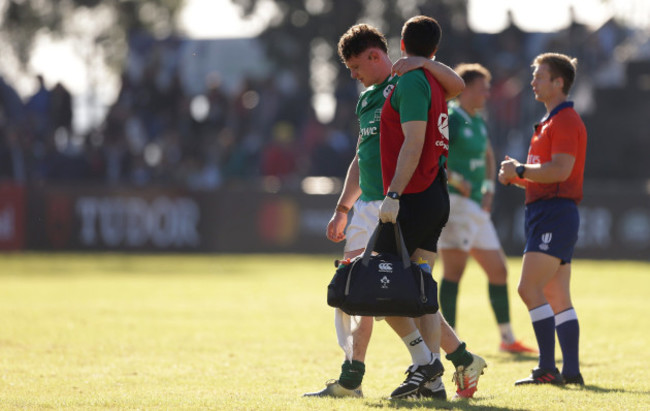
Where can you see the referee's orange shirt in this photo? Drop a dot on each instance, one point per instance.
(562, 132)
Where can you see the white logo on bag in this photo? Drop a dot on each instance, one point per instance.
(384, 282)
(385, 267)
(546, 240)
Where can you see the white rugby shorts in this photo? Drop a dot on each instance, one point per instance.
(469, 227)
(364, 221)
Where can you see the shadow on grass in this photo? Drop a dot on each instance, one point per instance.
(601, 390)
(475, 404)
(502, 359)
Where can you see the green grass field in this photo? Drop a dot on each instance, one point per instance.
(253, 332)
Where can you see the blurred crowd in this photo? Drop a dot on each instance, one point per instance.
(156, 132)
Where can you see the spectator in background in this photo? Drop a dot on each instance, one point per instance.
(12, 157)
(279, 157)
(61, 108)
(12, 109)
(38, 109)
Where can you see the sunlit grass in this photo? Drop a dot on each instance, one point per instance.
(111, 331)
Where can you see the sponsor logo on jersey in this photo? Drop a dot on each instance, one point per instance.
(476, 163)
(443, 125)
(443, 128)
(546, 240)
(368, 131)
(441, 143)
(533, 159)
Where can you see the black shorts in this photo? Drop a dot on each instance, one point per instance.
(422, 216)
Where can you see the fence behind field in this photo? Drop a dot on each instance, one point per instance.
(615, 220)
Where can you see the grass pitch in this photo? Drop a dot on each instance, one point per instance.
(112, 331)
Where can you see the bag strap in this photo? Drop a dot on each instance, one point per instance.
(401, 245)
(399, 242)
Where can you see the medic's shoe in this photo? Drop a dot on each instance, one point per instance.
(416, 377)
(543, 376)
(334, 389)
(516, 347)
(466, 378)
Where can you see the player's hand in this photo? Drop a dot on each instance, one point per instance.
(502, 179)
(507, 172)
(388, 210)
(336, 227)
(406, 64)
(486, 202)
(457, 181)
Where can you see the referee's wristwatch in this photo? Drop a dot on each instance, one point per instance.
(520, 169)
(393, 195)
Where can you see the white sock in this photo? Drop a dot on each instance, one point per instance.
(420, 354)
(506, 333)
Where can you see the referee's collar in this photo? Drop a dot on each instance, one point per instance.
(553, 112)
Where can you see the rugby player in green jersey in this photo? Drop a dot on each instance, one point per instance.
(363, 49)
(469, 231)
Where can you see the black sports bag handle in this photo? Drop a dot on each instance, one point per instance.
(399, 242)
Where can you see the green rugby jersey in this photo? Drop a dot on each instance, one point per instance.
(369, 108)
(467, 146)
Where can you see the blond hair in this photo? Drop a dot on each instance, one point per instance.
(559, 65)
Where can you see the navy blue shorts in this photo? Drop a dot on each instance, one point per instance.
(552, 227)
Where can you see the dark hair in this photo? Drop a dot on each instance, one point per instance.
(559, 65)
(360, 38)
(421, 36)
(471, 71)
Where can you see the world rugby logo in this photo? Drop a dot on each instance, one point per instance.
(546, 240)
(385, 267)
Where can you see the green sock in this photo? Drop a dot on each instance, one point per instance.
(499, 300)
(461, 356)
(352, 374)
(448, 296)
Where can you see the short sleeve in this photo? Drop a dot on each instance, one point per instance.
(565, 136)
(412, 97)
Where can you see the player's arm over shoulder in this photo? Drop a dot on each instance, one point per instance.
(413, 80)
